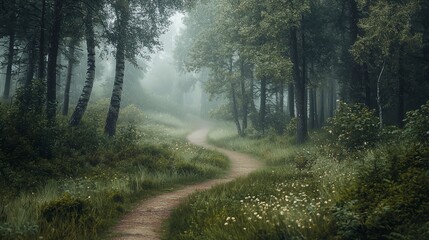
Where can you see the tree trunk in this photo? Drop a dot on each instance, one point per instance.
(322, 106)
(311, 100)
(11, 53)
(90, 72)
(59, 69)
(26, 98)
(235, 110)
(263, 110)
(401, 91)
(282, 96)
(41, 72)
(315, 115)
(71, 61)
(380, 106)
(331, 98)
(245, 98)
(355, 69)
(291, 100)
(367, 86)
(301, 106)
(31, 64)
(51, 96)
(115, 101)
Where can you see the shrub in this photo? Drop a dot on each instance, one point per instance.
(390, 194)
(131, 115)
(353, 127)
(291, 127)
(417, 125)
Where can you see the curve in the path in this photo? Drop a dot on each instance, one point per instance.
(146, 220)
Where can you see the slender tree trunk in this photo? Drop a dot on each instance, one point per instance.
(235, 110)
(380, 106)
(282, 96)
(262, 110)
(245, 109)
(51, 97)
(26, 98)
(312, 111)
(41, 71)
(90, 72)
(291, 100)
(11, 53)
(300, 91)
(331, 98)
(244, 95)
(367, 86)
(401, 91)
(71, 61)
(59, 72)
(315, 115)
(31, 64)
(115, 101)
(322, 106)
(355, 68)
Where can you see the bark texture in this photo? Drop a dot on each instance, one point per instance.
(90, 72)
(70, 65)
(301, 106)
(11, 53)
(115, 101)
(51, 97)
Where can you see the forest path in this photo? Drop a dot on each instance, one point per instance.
(145, 221)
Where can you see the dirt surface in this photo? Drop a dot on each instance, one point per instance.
(145, 221)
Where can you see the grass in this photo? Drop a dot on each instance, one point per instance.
(87, 205)
(291, 199)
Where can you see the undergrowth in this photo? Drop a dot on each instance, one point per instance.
(373, 186)
(88, 180)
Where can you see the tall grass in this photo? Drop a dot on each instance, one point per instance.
(291, 199)
(84, 207)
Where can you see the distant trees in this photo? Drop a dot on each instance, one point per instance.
(307, 53)
(37, 32)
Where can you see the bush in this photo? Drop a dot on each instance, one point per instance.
(291, 127)
(417, 125)
(390, 195)
(131, 115)
(353, 127)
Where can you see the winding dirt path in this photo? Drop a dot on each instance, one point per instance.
(145, 221)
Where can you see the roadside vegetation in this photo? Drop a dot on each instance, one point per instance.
(74, 183)
(350, 181)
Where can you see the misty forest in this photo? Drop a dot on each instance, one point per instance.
(207, 120)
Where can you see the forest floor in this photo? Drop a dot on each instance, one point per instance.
(146, 220)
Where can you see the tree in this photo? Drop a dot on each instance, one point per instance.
(137, 26)
(51, 97)
(387, 35)
(90, 72)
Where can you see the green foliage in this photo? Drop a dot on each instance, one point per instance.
(131, 115)
(389, 197)
(255, 207)
(353, 127)
(387, 25)
(291, 127)
(417, 125)
(90, 180)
